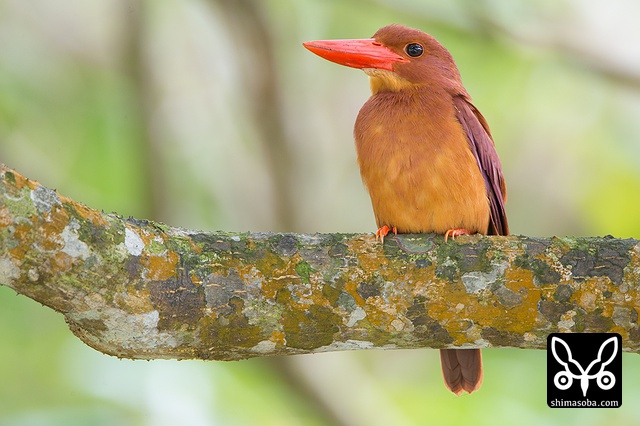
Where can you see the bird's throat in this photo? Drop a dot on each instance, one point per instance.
(383, 80)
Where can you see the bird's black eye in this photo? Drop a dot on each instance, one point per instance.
(414, 49)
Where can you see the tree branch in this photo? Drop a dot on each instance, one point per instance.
(139, 289)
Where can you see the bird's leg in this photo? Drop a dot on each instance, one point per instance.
(455, 232)
(382, 232)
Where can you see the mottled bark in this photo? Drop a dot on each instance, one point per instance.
(139, 289)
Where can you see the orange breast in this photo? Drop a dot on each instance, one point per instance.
(415, 161)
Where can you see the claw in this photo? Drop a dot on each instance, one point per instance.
(455, 232)
(382, 232)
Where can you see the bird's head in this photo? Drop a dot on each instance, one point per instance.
(395, 58)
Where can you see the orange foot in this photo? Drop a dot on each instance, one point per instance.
(382, 232)
(455, 232)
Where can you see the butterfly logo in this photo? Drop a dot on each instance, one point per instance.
(564, 379)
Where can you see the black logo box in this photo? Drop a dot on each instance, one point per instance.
(584, 370)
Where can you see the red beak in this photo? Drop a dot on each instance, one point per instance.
(358, 53)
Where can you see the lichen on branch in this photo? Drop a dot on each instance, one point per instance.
(141, 289)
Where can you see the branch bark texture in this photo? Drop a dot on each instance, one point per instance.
(139, 289)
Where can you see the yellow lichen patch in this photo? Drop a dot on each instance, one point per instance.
(589, 296)
(194, 247)
(351, 288)
(22, 232)
(623, 332)
(370, 253)
(50, 231)
(278, 338)
(440, 296)
(381, 310)
(21, 181)
(304, 285)
(387, 309)
(524, 316)
(423, 281)
(451, 306)
(271, 266)
(195, 279)
(587, 301)
(309, 292)
(380, 314)
(134, 301)
(161, 267)
(455, 317)
(62, 262)
(150, 239)
(517, 278)
(94, 216)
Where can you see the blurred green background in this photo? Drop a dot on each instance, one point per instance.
(209, 114)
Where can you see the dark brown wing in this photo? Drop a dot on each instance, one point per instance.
(482, 147)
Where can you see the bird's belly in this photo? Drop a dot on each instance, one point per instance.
(428, 191)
